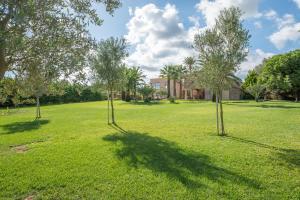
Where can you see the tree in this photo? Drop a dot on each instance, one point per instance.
(133, 78)
(281, 73)
(174, 77)
(146, 91)
(181, 72)
(221, 50)
(255, 89)
(108, 68)
(36, 82)
(10, 91)
(189, 62)
(166, 72)
(252, 85)
(69, 21)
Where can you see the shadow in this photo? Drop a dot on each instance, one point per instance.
(259, 105)
(18, 127)
(291, 156)
(162, 156)
(151, 103)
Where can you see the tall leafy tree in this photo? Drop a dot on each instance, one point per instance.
(68, 20)
(108, 68)
(281, 74)
(166, 72)
(221, 50)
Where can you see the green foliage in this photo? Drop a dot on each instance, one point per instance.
(133, 77)
(172, 99)
(189, 62)
(281, 74)
(61, 25)
(146, 91)
(107, 62)
(10, 92)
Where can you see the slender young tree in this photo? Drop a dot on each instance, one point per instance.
(108, 67)
(221, 50)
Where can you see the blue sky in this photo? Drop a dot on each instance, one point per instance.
(159, 32)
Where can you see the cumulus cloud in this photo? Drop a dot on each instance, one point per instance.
(285, 34)
(287, 29)
(211, 9)
(158, 38)
(298, 3)
(253, 59)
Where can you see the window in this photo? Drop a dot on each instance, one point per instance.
(156, 86)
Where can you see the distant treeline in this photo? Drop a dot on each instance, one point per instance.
(61, 92)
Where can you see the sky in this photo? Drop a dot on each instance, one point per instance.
(161, 32)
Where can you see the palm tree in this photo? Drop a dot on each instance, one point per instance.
(181, 72)
(166, 72)
(174, 77)
(190, 62)
(133, 77)
(138, 79)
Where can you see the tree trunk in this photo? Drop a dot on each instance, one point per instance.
(217, 112)
(38, 109)
(3, 65)
(169, 89)
(221, 115)
(174, 88)
(180, 88)
(134, 92)
(296, 96)
(107, 107)
(112, 108)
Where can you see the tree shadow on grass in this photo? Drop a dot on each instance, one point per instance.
(291, 156)
(140, 150)
(151, 103)
(259, 105)
(18, 127)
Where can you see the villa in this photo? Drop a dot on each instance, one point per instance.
(160, 85)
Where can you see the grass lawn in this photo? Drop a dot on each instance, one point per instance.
(157, 151)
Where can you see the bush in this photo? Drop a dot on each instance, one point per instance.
(172, 99)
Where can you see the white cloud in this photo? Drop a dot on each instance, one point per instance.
(253, 59)
(285, 34)
(298, 3)
(287, 29)
(258, 25)
(158, 38)
(211, 9)
(130, 11)
(271, 14)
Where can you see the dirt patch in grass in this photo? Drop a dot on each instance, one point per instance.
(20, 148)
(31, 197)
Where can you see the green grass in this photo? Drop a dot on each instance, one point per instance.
(157, 151)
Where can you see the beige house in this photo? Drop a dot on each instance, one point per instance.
(160, 84)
